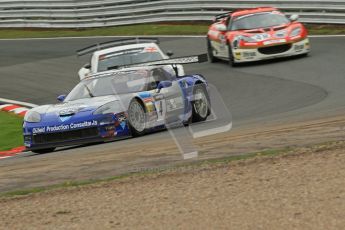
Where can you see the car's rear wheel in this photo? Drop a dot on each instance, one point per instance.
(211, 56)
(41, 151)
(201, 104)
(137, 118)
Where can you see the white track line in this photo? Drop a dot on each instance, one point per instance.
(4, 106)
(5, 157)
(19, 110)
(144, 36)
(25, 104)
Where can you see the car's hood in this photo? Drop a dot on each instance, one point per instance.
(274, 32)
(73, 107)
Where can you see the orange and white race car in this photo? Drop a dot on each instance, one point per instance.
(256, 34)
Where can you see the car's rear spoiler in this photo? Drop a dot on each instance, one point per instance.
(172, 61)
(115, 43)
(221, 16)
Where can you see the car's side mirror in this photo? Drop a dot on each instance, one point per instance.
(163, 84)
(294, 17)
(170, 53)
(61, 98)
(221, 27)
(84, 73)
(87, 66)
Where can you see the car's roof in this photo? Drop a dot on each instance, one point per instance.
(252, 11)
(124, 47)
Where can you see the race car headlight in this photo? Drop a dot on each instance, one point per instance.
(32, 117)
(111, 107)
(295, 32)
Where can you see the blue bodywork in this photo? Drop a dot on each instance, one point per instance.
(81, 126)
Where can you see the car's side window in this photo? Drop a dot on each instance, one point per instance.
(152, 84)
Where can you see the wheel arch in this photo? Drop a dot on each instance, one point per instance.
(140, 100)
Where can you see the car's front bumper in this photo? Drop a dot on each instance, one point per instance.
(269, 52)
(104, 128)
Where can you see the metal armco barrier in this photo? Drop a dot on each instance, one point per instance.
(102, 13)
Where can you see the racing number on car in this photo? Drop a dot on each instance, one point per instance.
(160, 108)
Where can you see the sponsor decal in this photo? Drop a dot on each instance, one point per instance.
(150, 49)
(144, 95)
(71, 126)
(249, 55)
(123, 124)
(121, 117)
(147, 100)
(222, 39)
(38, 130)
(274, 41)
(150, 107)
(174, 103)
(83, 124)
(261, 37)
(237, 55)
(64, 118)
(160, 109)
(299, 48)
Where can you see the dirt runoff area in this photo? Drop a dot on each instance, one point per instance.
(302, 189)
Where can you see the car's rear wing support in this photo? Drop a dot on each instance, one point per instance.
(115, 43)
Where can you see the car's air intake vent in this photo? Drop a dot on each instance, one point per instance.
(275, 49)
(253, 31)
(279, 28)
(65, 136)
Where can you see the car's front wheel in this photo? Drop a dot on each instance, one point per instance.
(137, 117)
(231, 56)
(201, 104)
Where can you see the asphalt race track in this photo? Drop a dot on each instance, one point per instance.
(282, 91)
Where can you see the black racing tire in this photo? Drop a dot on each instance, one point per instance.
(201, 107)
(137, 118)
(231, 57)
(211, 57)
(304, 55)
(42, 151)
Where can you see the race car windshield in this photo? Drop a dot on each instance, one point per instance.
(255, 21)
(127, 57)
(120, 83)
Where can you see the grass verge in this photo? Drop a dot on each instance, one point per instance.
(142, 29)
(10, 131)
(189, 167)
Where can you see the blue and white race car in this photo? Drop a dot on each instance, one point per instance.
(119, 103)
